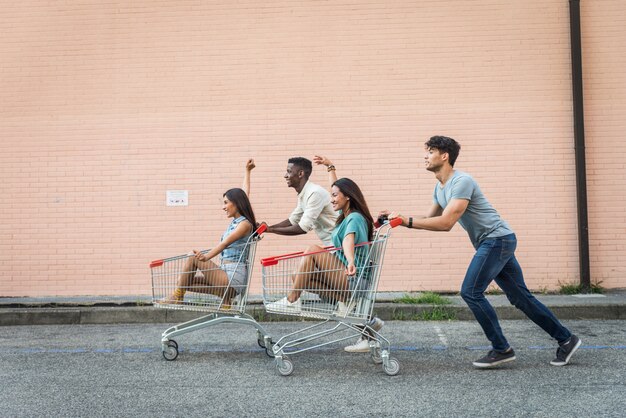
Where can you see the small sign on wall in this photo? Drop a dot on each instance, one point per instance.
(177, 198)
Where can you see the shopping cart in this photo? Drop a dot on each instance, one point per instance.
(346, 311)
(225, 303)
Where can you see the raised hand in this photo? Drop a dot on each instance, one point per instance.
(321, 160)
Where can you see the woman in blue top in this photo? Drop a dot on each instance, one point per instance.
(233, 268)
(329, 273)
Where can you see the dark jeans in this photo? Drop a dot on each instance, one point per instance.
(495, 260)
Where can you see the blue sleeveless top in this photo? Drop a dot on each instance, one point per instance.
(234, 251)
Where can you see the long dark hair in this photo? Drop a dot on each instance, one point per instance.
(241, 201)
(357, 203)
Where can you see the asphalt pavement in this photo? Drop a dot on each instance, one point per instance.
(102, 356)
(119, 370)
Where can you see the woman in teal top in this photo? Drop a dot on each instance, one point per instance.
(329, 273)
(354, 223)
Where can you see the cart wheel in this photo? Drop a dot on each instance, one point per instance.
(171, 351)
(269, 351)
(287, 367)
(392, 367)
(376, 357)
(261, 343)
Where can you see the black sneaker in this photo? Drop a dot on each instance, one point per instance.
(565, 351)
(495, 358)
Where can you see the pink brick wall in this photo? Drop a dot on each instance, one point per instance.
(107, 106)
(604, 59)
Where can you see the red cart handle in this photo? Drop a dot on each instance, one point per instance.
(392, 223)
(395, 222)
(156, 263)
(261, 229)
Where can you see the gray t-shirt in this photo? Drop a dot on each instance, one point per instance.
(480, 219)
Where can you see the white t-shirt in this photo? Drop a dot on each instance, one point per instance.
(314, 211)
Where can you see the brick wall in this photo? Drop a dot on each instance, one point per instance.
(108, 105)
(604, 59)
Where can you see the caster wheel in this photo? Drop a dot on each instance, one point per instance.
(269, 351)
(392, 368)
(376, 357)
(286, 368)
(261, 343)
(171, 351)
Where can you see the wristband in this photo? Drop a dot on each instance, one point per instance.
(410, 223)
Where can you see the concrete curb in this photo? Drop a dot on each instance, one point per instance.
(129, 314)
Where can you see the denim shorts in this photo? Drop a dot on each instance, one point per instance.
(237, 275)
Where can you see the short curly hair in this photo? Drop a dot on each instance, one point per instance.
(445, 144)
(305, 164)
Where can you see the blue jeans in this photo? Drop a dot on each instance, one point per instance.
(495, 260)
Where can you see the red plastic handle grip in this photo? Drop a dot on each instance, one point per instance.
(395, 222)
(269, 262)
(261, 229)
(156, 263)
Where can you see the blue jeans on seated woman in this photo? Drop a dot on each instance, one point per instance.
(495, 260)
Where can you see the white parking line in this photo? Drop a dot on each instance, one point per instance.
(441, 335)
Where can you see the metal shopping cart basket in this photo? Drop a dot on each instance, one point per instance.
(225, 304)
(345, 311)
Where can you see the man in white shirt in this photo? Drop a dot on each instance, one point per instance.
(314, 210)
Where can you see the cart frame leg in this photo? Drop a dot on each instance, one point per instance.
(214, 319)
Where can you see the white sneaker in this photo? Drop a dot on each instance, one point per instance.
(343, 309)
(361, 346)
(284, 305)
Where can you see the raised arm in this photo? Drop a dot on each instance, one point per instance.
(332, 174)
(246, 177)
